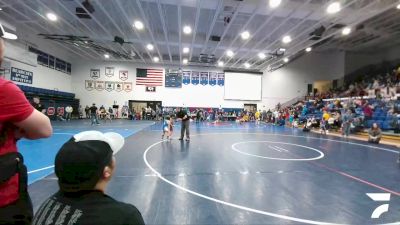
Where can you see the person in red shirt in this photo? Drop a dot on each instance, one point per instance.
(18, 119)
(367, 112)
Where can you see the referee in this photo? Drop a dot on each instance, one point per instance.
(183, 115)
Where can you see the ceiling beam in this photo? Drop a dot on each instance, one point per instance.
(270, 17)
(164, 26)
(217, 10)
(180, 31)
(83, 24)
(56, 25)
(97, 22)
(147, 23)
(196, 23)
(305, 32)
(361, 20)
(325, 18)
(136, 33)
(228, 26)
(80, 53)
(39, 25)
(119, 30)
(288, 17)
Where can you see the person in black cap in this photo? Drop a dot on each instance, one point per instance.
(84, 167)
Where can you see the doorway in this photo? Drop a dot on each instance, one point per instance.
(250, 107)
(138, 105)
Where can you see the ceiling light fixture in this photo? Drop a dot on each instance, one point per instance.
(187, 29)
(282, 50)
(138, 25)
(287, 39)
(274, 3)
(333, 8)
(229, 53)
(150, 47)
(286, 60)
(185, 61)
(308, 49)
(247, 65)
(346, 31)
(245, 35)
(106, 56)
(261, 55)
(185, 50)
(220, 64)
(51, 16)
(398, 6)
(7, 35)
(156, 59)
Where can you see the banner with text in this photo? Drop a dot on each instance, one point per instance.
(21, 76)
(203, 78)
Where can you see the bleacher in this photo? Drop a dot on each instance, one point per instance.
(380, 115)
(52, 98)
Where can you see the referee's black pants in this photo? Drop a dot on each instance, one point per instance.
(185, 127)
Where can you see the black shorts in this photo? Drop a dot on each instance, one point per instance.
(19, 212)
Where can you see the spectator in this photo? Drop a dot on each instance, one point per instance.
(111, 112)
(148, 113)
(60, 116)
(374, 134)
(80, 111)
(84, 166)
(68, 110)
(87, 112)
(143, 113)
(338, 120)
(257, 116)
(38, 105)
(346, 123)
(325, 117)
(93, 114)
(18, 119)
(367, 111)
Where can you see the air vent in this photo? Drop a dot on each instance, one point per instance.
(215, 38)
(204, 58)
(81, 13)
(84, 13)
(338, 26)
(317, 33)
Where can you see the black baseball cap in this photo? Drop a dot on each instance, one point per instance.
(81, 160)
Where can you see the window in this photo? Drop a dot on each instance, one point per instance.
(43, 59)
(69, 68)
(50, 61)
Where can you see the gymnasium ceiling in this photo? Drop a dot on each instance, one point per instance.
(373, 22)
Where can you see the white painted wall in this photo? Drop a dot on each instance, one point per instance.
(189, 95)
(43, 77)
(291, 81)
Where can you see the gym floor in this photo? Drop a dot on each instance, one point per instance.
(235, 174)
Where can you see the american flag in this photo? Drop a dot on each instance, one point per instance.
(149, 77)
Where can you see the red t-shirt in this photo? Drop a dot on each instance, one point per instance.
(14, 107)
